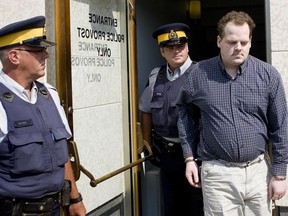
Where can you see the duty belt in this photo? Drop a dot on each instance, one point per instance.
(29, 207)
(167, 145)
(244, 164)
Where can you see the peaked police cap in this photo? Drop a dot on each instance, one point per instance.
(30, 32)
(171, 34)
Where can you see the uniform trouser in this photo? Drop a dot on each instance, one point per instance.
(229, 191)
(180, 198)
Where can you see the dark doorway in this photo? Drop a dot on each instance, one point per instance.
(203, 31)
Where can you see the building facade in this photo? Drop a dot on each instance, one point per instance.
(100, 66)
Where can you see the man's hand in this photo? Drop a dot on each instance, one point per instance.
(77, 209)
(277, 188)
(192, 174)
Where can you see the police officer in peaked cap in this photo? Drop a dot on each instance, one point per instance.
(159, 115)
(36, 177)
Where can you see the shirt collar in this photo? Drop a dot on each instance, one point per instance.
(179, 71)
(17, 88)
(241, 68)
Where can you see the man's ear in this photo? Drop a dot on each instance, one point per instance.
(162, 51)
(218, 41)
(13, 56)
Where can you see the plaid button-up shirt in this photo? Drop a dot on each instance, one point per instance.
(238, 116)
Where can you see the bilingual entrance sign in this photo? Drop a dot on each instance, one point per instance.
(96, 42)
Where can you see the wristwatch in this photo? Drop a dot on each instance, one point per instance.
(76, 200)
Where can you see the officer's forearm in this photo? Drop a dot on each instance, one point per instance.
(70, 176)
(146, 126)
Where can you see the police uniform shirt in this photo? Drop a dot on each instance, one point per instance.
(146, 97)
(18, 90)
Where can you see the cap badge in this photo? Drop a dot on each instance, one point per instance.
(172, 35)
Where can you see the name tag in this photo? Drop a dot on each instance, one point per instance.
(158, 94)
(23, 123)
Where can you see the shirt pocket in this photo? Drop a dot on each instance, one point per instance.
(60, 145)
(158, 113)
(28, 154)
(172, 114)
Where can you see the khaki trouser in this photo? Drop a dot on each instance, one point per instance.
(231, 190)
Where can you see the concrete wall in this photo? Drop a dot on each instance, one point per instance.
(279, 35)
(14, 10)
(279, 50)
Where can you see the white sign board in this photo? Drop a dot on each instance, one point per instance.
(99, 87)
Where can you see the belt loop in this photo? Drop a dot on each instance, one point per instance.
(17, 208)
